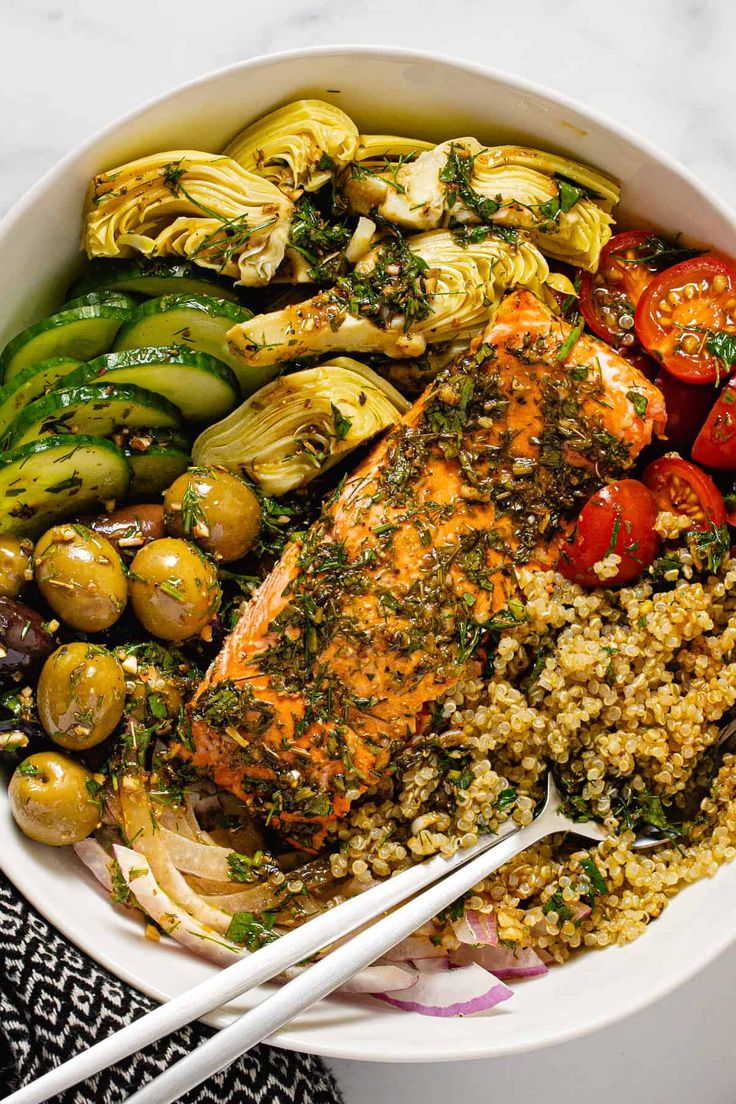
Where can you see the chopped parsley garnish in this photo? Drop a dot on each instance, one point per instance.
(598, 884)
(566, 198)
(638, 401)
(556, 903)
(246, 868)
(253, 932)
(394, 287)
(28, 769)
(341, 423)
(320, 238)
(722, 345)
(457, 175)
(506, 798)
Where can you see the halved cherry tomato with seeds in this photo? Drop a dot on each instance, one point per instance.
(687, 406)
(687, 319)
(715, 445)
(628, 264)
(617, 519)
(683, 488)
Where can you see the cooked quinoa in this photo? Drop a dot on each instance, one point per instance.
(622, 692)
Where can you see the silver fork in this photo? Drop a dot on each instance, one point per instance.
(432, 886)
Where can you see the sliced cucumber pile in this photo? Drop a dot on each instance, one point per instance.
(196, 322)
(82, 332)
(152, 277)
(202, 387)
(56, 478)
(29, 384)
(156, 469)
(93, 411)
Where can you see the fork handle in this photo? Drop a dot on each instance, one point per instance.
(334, 970)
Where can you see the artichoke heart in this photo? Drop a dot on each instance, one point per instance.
(402, 296)
(390, 147)
(408, 193)
(187, 203)
(299, 146)
(301, 424)
(565, 206)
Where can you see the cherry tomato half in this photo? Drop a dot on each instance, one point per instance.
(687, 314)
(683, 488)
(627, 266)
(687, 406)
(619, 518)
(715, 445)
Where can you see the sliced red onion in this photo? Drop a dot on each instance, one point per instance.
(440, 991)
(170, 916)
(96, 859)
(384, 977)
(502, 962)
(414, 948)
(476, 928)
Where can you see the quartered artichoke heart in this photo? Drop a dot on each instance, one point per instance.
(382, 148)
(565, 206)
(301, 424)
(449, 291)
(299, 146)
(187, 203)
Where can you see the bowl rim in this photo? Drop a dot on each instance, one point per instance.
(286, 1038)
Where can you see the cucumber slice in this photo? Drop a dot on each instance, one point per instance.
(56, 478)
(152, 277)
(82, 332)
(111, 297)
(196, 322)
(155, 470)
(29, 384)
(203, 388)
(94, 411)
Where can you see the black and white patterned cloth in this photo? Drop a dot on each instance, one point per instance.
(55, 1001)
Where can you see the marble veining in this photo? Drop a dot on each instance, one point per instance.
(661, 67)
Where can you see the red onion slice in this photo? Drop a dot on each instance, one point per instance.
(441, 991)
(502, 962)
(381, 978)
(96, 859)
(414, 948)
(476, 928)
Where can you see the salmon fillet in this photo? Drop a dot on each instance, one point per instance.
(366, 622)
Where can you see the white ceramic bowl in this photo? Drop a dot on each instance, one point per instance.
(431, 97)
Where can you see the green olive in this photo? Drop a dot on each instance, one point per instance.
(216, 509)
(81, 576)
(15, 565)
(173, 588)
(51, 801)
(80, 695)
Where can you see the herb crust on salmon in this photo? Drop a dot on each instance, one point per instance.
(367, 621)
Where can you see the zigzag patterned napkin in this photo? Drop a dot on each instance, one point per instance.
(54, 1001)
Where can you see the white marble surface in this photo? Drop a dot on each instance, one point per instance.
(662, 67)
